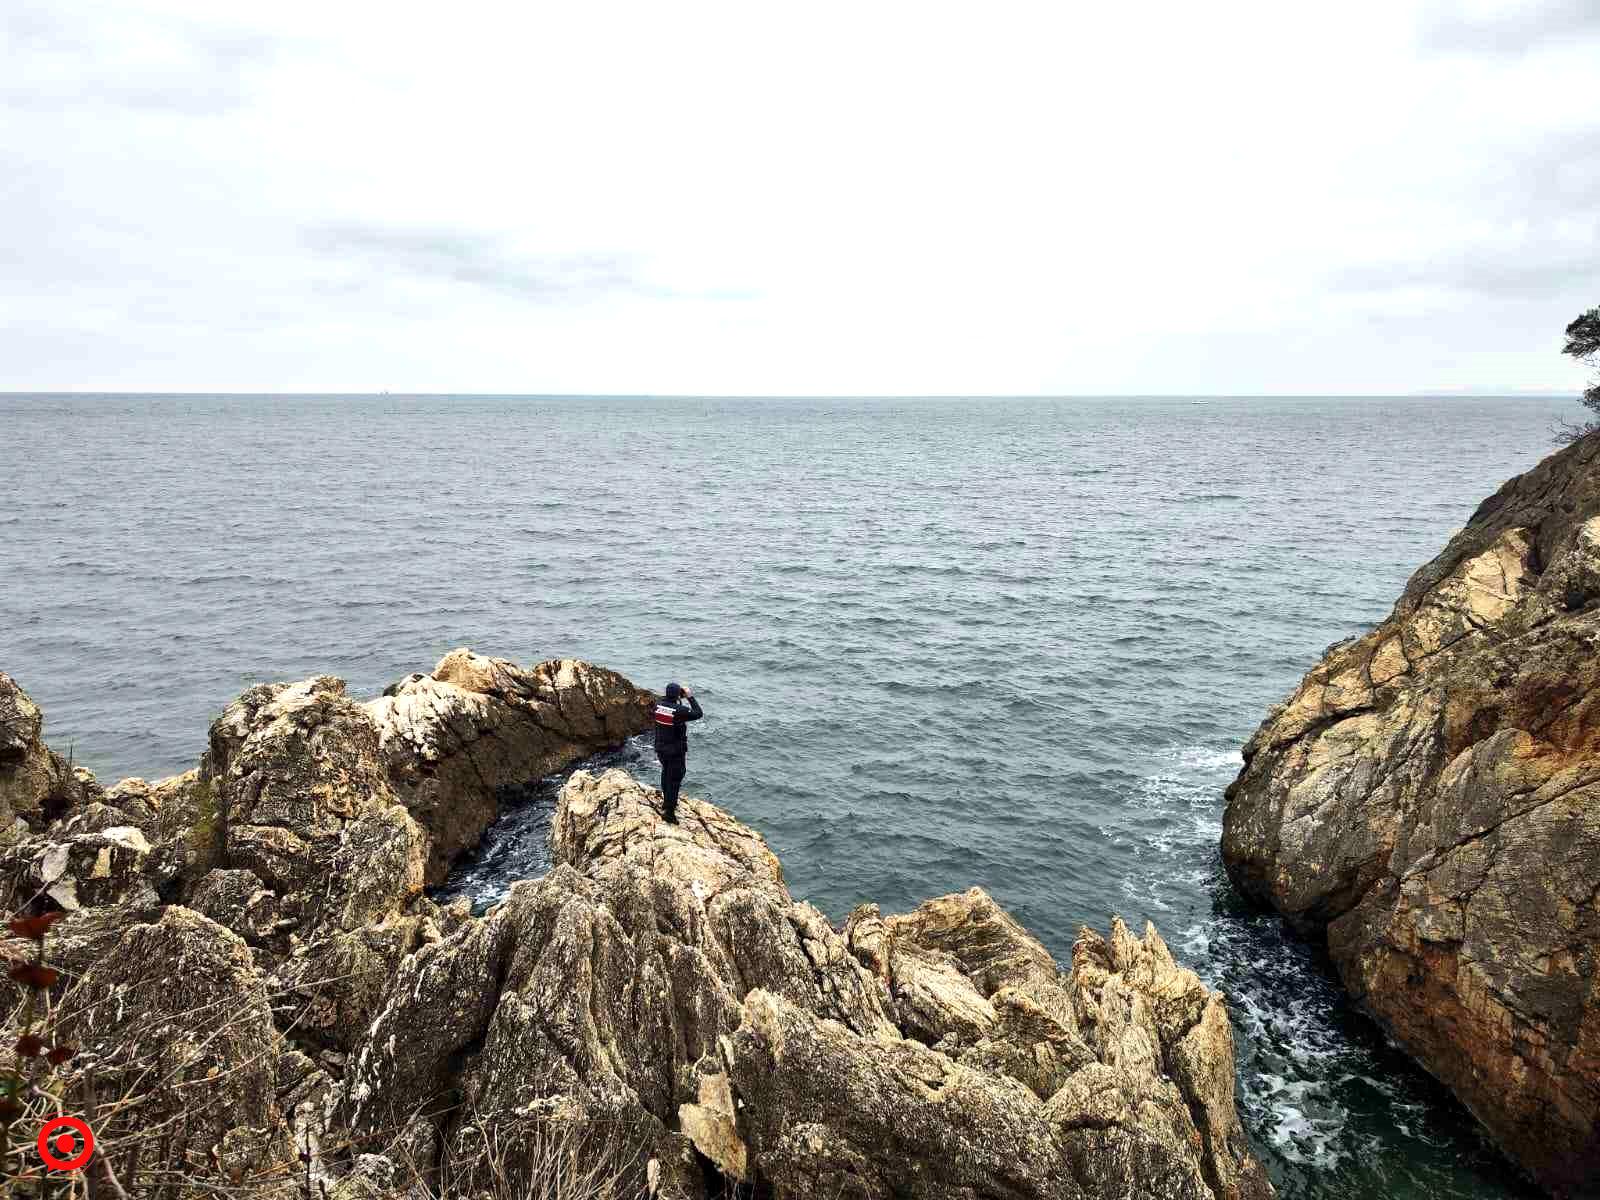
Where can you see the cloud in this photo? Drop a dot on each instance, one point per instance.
(1520, 224)
(478, 259)
(716, 196)
(128, 59)
(1449, 26)
(1529, 269)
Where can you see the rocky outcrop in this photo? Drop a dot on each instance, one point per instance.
(36, 784)
(263, 1000)
(1429, 801)
(663, 984)
(181, 1004)
(309, 824)
(452, 740)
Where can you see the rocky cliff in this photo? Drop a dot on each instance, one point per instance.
(263, 1001)
(1428, 800)
(36, 783)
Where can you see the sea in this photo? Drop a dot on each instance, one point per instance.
(940, 642)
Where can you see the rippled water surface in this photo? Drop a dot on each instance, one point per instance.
(939, 643)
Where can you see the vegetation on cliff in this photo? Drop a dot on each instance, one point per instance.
(1583, 344)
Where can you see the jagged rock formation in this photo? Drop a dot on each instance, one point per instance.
(254, 934)
(663, 980)
(36, 783)
(452, 739)
(1429, 799)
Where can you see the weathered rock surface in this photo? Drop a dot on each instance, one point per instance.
(452, 739)
(663, 982)
(36, 784)
(248, 956)
(180, 1005)
(1429, 800)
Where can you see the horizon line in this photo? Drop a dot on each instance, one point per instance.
(1422, 394)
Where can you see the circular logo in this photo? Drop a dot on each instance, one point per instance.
(57, 1141)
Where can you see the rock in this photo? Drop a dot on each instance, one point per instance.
(37, 785)
(373, 1177)
(451, 740)
(236, 900)
(180, 815)
(1428, 801)
(711, 1124)
(661, 983)
(1129, 1041)
(179, 1016)
(657, 1012)
(21, 723)
(296, 769)
(830, 1113)
(1164, 1033)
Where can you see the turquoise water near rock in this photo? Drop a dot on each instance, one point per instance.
(1013, 643)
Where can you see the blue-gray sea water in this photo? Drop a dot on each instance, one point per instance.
(1014, 643)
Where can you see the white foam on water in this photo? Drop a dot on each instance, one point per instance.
(1194, 941)
(1203, 758)
(1293, 1058)
(1143, 895)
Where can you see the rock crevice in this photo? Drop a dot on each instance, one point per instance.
(1428, 801)
(658, 1002)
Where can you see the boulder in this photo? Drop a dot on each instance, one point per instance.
(177, 1024)
(1428, 801)
(1129, 1036)
(37, 785)
(453, 739)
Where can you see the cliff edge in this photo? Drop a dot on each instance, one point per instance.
(262, 1000)
(1428, 800)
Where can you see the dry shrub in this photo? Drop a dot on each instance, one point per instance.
(150, 1099)
(537, 1156)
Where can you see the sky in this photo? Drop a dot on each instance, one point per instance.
(870, 197)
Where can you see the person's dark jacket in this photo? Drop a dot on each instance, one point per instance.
(672, 734)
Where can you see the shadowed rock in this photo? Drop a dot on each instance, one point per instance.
(1429, 801)
(37, 785)
(451, 740)
(662, 981)
(658, 1004)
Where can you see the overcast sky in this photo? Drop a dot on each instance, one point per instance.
(862, 197)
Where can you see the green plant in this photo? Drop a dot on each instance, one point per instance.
(1583, 344)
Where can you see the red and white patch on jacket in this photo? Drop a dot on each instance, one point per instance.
(665, 714)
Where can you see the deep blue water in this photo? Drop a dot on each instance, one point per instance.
(1014, 643)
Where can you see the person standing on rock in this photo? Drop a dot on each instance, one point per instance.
(672, 743)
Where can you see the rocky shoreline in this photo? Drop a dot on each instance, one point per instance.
(1428, 803)
(261, 999)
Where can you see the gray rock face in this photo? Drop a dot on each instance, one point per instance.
(657, 1010)
(1429, 801)
(180, 1001)
(36, 784)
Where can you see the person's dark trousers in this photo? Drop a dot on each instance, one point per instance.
(672, 770)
